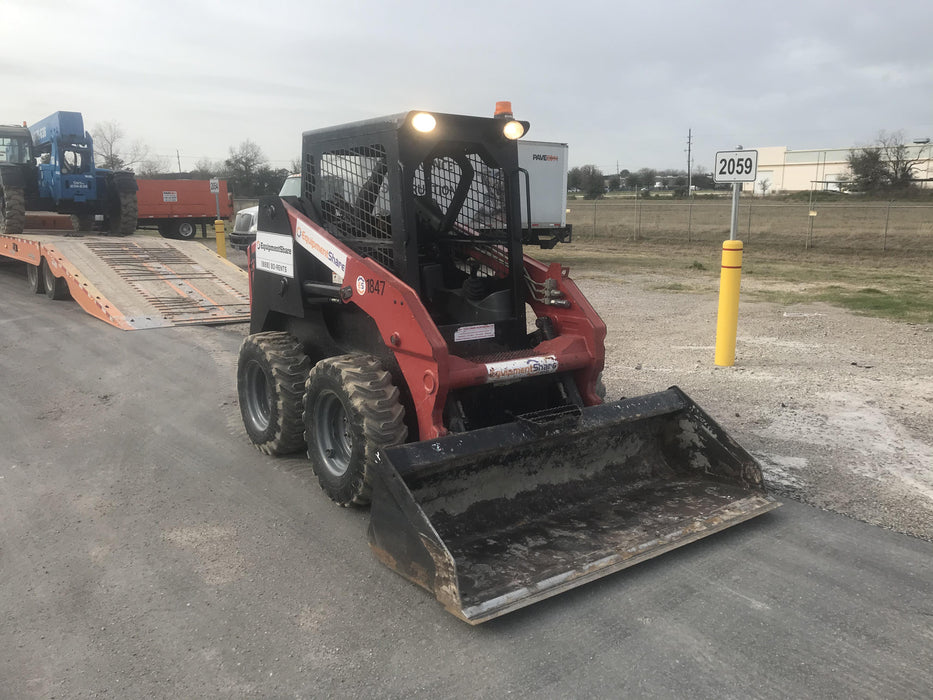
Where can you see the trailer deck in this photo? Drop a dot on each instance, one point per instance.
(138, 282)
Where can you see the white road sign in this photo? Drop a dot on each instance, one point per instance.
(215, 185)
(736, 166)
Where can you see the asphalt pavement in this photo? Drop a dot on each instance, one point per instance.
(147, 550)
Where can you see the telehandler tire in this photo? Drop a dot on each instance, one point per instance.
(82, 222)
(56, 288)
(12, 211)
(351, 410)
(124, 210)
(271, 374)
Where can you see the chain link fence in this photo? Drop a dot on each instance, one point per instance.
(868, 227)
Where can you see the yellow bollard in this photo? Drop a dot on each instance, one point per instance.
(728, 321)
(221, 238)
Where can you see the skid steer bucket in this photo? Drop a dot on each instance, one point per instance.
(496, 519)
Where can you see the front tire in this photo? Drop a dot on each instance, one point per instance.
(12, 211)
(271, 373)
(124, 210)
(351, 410)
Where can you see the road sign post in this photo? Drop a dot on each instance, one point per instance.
(215, 189)
(219, 227)
(736, 167)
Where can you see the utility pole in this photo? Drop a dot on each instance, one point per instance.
(689, 163)
(178, 156)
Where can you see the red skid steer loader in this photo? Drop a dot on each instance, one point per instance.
(391, 339)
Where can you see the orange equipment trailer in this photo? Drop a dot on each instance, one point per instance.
(176, 207)
(133, 283)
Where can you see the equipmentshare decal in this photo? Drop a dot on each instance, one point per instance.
(321, 248)
(274, 253)
(516, 369)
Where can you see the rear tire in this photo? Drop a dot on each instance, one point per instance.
(56, 288)
(271, 373)
(186, 231)
(12, 211)
(351, 410)
(34, 278)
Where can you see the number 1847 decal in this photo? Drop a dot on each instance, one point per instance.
(369, 285)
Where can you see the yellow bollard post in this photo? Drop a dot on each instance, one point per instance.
(728, 320)
(221, 238)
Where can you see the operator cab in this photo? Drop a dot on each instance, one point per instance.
(15, 148)
(439, 207)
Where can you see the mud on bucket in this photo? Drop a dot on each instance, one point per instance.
(499, 518)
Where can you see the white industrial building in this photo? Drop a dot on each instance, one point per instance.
(781, 169)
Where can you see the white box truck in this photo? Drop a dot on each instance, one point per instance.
(546, 165)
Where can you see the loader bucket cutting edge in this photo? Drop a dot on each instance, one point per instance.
(496, 519)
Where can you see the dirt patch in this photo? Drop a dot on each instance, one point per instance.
(837, 407)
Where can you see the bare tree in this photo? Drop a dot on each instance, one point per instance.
(110, 150)
(897, 154)
(764, 184)
(243, 167)
(153, 166)
(886, 165)
(207, 168)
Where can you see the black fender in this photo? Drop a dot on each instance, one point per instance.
(13, 176)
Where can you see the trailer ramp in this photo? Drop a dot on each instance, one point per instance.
(148, 282)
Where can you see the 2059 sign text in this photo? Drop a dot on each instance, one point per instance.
(736, 166)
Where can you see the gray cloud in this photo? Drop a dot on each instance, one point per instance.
(619, 82)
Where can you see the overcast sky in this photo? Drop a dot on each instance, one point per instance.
(621, 82)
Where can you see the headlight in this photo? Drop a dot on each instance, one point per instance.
(423, 122)
(513, 130)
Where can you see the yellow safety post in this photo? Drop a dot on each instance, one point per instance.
(728, 320)
(221, 238)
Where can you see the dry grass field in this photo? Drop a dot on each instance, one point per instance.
(845, 266)
(869, 228)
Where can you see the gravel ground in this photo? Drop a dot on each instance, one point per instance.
(837, 407)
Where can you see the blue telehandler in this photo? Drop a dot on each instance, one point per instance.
(49, 166)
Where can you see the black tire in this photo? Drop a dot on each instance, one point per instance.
(185, 230)
(12, 211)
(351, 410)
(56, 288)
(82, 222)
(123, 213)
(271, 373)
(34, 278)
(165, 230)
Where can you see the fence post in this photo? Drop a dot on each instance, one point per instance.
(884, 240)
(689, 215)
(594, 221)
(635, 219)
